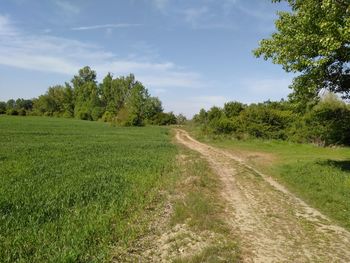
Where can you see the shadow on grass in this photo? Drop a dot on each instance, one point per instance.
(343, 165)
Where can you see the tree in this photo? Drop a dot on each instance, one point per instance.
(2, 107)
(214, 113)
(233, 109)
(153, 106)
(314, 40)
(114, 92)
(181, 119)
(201, 117)
(136, 103)
(10, 104)
(163, 118)
(86, 95)
(57, 101)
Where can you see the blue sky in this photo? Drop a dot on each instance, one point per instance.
(191, 54)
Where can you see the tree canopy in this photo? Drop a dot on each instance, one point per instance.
(313, 39)
(122, 100)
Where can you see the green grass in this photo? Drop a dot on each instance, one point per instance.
(200, 206)
(70, 190)
(321, 176)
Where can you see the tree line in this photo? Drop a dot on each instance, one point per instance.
(326, 121)
(121, 100)
(312, 39)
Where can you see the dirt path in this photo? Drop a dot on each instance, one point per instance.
(273, 224)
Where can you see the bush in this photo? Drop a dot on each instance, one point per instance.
(2, 107)
(67, 114)
(181, 119)
(22, 112)
(96, 113)
(214, 113)
(11, 112)
(163, 118)
(233, 109)
(125, 118)
(223, 126)
(329, 122)
(83, 115)
(263, 122)
(107, 116)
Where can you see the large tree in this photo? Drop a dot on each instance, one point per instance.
(313, 40)
(86, 95)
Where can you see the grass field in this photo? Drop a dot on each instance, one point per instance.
(321, 176)
(69, 189)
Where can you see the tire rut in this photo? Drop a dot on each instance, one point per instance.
(273, 225)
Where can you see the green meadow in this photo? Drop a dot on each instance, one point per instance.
(69, 189)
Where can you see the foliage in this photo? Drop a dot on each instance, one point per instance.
(233, 109)
(201, 117)
(223, 125)
(85, 99)
(314, 39)
(329, 121)
(11, 112)
(181, 119)
(262, 121)
(324, 122)
(163, 118)
(70, 190)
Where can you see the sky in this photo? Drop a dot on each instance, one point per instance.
(192, 54)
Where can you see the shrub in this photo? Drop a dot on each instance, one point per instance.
(214, 113)
(67, 114)
(329, 122)
(263, 122)
(11, 112)
(233, 109)
(181, 119)
(223, 126)
(107, 116)
(163, 118)
(2, 107)
(96, 113)
(22, 112)
(84, 115)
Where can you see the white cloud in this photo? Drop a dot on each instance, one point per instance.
(105, 26)
(65, 56)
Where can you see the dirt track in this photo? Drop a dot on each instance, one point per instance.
(272, 224)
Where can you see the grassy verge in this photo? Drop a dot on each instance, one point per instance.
(321, 176)
(188, 224)
(200, 207)
(70, 189)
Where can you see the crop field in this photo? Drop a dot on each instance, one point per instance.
(69, 189)
(320, 175)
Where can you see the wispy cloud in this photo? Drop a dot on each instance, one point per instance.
(106, 26)
(194, 15)
(65, 56)
(67, 6)
(160, 4)
(6, 27)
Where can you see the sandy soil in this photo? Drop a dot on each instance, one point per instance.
(273, 224)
